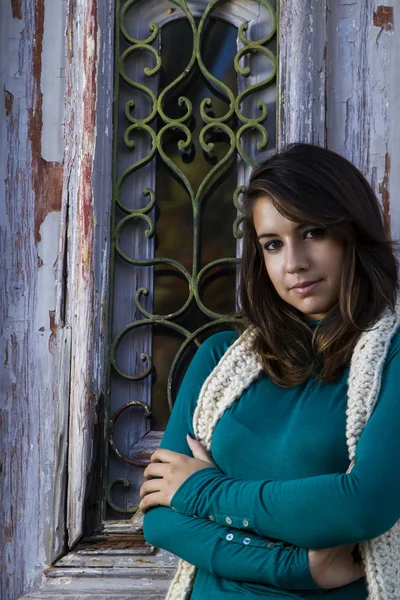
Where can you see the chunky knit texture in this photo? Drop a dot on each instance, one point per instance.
(239, 367)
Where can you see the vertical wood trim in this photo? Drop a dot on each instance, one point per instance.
(30, 189)
(82, 58)
(302, 71)
(364, 95)
(102, 190)
(86, 210)
(58, 537)
(340, 86)
(350, 110)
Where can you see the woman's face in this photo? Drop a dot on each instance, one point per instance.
(304, 262)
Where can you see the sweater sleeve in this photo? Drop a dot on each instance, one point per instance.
(229, 553)
(321, 511)
(224, 551)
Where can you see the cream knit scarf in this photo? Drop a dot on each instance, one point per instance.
(239, 367)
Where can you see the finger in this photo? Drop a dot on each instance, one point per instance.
(150, 500)
(359, 569)
(149, 487)
(198, 450)
(163, 455)
(156, 469)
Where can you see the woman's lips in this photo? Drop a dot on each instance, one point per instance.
(303, 291)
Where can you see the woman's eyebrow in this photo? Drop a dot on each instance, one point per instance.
(298, 226)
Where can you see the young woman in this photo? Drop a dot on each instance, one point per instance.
(278, 474)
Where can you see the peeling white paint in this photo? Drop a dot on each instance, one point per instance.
(10, 32)
(390, 90)
(53, 80)
(47, 250)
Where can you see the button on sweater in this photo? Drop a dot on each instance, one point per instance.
(281, 485)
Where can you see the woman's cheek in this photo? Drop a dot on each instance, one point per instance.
(273, 272)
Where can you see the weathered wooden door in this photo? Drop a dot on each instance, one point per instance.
(93, 343)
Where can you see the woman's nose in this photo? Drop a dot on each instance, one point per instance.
(296, 259)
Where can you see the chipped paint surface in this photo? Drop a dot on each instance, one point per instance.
(81, 76)
(30, 192)
(16, 9)
(47, 252)
(46, 176)
(8, 102)
(53, 82)
(384, 192)
(303, 50)
(352, 102)
(383, 17)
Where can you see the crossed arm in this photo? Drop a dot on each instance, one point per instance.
(315, 512)
(234, 554)
(218, 548)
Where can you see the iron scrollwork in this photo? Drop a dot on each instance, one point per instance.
(230, 128)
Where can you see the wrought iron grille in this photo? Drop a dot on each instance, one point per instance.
(194, 110)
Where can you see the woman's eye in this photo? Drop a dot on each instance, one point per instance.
(315, 233)
(272, 246)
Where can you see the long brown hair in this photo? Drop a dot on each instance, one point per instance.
(310, 184)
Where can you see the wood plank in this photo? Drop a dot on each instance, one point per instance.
(106, 558)
(110, 576)
(87, 190)
(303, 47)
(150, 589)
(363, 91)
(100, 584)
(82, 562)
(58, 538)
(31, 172)
(120, 577)
(80, 132)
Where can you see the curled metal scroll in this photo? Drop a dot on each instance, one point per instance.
(112, 421)
(144, 356)
(219, 86)
(238, 233)
(197, 286)
(222, 165)
(261, 144)
(183, 101)
(111, 503)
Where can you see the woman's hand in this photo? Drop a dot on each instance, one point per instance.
(334, 567)
(168, 470)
